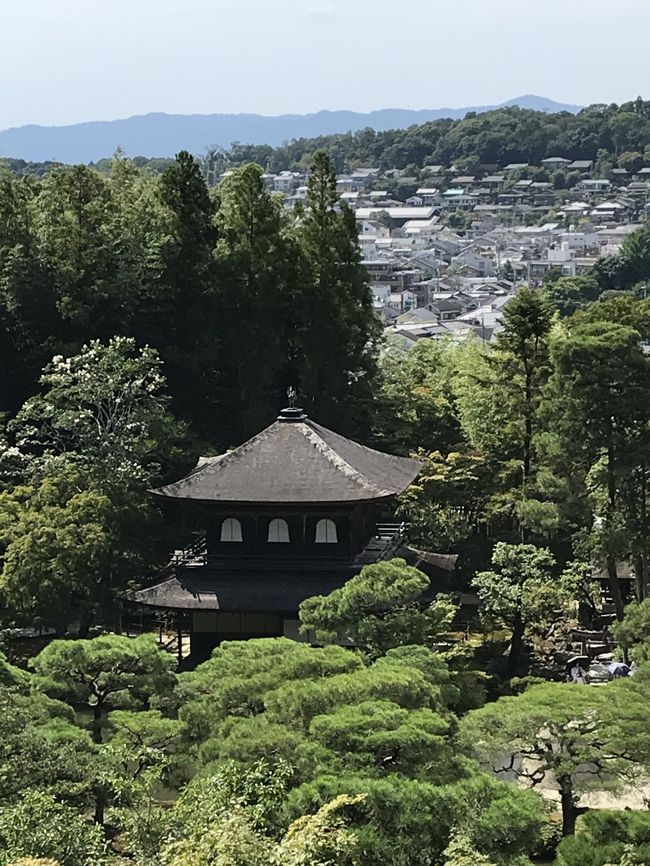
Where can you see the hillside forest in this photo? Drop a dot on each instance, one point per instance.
(147, 320)
(608, 135)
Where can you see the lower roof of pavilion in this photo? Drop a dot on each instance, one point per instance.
(250, 591)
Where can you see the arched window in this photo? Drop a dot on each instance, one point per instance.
(326, 532)
(278, 531)
(231, 530)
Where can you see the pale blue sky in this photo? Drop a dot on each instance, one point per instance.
(63, 61)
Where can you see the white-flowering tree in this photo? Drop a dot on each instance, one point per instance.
(105, 407)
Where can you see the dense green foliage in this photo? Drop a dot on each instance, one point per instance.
(608, 839)
(298, 755)
(378, 609)
(508, 135)
(290, 754)
(142, 317)
(569, 737)
(221, 286)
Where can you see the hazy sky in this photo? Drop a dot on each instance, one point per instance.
(63, 61)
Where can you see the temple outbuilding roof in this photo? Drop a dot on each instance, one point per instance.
(295, 461)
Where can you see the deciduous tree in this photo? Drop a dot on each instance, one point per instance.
(520, 591)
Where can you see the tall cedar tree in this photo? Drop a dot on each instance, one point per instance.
(340, 333)
(188, 338)
(259, 263)
(517, 372)
(28, 316)
(74, 211)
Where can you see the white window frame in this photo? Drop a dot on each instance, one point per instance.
(278, 532)
(231, 531)
(326, 532)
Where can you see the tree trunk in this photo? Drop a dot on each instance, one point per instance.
(527, 442)
(516, 644)
(85, 621)
(570, 811)
(612, 573)
(639, 573)
(642, 578)
(615, 587)
(100, 807)
(118, 616)
(97, 724)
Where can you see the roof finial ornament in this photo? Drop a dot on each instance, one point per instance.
(292, 412)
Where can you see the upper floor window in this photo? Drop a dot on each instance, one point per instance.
(326, 532)
(231, 530)
(278, 531)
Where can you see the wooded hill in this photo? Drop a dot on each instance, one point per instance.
(508, 135)
(160, 135)
(493, 138)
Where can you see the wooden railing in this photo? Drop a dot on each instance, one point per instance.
(195, 554)
(390, 530)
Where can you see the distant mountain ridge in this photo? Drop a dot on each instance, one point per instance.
(162, 135)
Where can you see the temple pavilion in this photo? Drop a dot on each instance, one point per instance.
(294, 512)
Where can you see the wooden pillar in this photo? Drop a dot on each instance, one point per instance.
(180, 642)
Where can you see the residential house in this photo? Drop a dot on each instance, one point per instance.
(638, 189)
(372, 228)
(470, 258)
(429, 195)
(555, 162)
(346, 184)
(457, 199)
(398, 215)
(594, 186)
(493, 182)
(609, 212)
(544, 199)
(381, 270)
(557, 258)
(585, 166)
(285, 182)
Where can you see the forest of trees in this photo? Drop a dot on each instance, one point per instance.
(603, 133)
(146, 319)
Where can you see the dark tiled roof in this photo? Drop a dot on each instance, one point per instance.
(251, 592)
(237, 593)
(296, 461)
